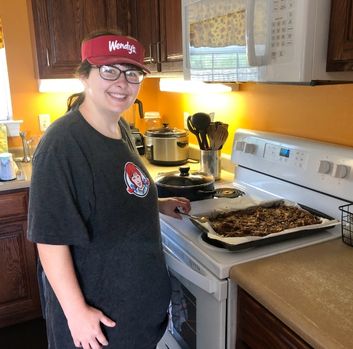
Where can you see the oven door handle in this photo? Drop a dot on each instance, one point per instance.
(189, 274)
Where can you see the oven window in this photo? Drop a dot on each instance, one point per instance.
(183, 315)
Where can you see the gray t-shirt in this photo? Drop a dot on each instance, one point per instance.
(94, 194)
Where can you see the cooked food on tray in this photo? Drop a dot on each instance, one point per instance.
(261, 220)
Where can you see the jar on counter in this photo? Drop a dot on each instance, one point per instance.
(152, 120)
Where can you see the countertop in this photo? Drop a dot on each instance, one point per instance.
(23, 178)
(26, 172)
(309, 289)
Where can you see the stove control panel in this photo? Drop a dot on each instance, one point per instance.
(321, 166)
(285, 155)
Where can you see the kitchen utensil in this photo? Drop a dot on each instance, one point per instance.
(239, 243)
(220, 136)
(193, 130)
(8, 167)
(211, 133)
(25, 147)
(140, 107)
(139, 141)
(210, 162)
(167, 146)
(130, 117)
(201, 219)
(201, 121)
(192, 185)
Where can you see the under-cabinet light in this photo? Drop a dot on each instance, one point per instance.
(192, 86)
(60, 85)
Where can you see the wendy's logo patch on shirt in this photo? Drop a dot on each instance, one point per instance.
(136, 181)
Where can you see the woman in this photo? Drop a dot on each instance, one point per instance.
(93, 213)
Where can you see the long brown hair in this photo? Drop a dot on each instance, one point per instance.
(84, 69)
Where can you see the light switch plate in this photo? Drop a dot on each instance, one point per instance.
(44, 121)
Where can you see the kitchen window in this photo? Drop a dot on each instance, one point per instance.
(221, 64)
(5, 97)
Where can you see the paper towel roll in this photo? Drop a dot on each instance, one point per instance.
(3, 139)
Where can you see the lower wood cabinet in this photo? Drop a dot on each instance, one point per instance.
(257, 328)
(19, 296)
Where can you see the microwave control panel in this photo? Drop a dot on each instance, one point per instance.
(282, 30)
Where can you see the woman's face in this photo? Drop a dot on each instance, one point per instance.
(110, 96)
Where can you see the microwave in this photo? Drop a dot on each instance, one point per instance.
(257, 40)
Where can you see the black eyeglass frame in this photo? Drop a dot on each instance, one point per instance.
(99, 67)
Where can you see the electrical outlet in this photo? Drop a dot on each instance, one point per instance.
(186, 114)
(44, 121)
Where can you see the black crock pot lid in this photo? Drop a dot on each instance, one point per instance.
(184, 178)
(166, 131)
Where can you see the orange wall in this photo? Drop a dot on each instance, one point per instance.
(321, 112)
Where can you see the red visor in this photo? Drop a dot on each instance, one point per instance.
(113, 49)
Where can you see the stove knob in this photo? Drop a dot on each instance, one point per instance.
(239, 145)
(249, 148)
(341, 171)
(325, 166)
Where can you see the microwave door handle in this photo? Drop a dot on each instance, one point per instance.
(189, 274)
(253, 59)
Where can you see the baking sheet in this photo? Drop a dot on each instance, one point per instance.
(240, 203)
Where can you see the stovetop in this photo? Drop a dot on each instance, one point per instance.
(271, 166)
(228, 192)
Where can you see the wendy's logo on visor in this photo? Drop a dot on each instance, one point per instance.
(136, 181)
(116, 45)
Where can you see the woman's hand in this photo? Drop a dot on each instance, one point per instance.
(85, 328)
(170, 206)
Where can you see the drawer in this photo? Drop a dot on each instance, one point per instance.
(13, 204)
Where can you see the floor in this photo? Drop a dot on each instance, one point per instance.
(27, 335)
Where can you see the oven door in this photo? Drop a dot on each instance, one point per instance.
(198, 305)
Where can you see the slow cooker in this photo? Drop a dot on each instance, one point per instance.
(167, 146)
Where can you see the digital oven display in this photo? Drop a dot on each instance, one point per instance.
(284, 152)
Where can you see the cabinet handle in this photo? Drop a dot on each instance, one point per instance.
(174, 57)
(149, 59)
(47, 54)
(159, 58)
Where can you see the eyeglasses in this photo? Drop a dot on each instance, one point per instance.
(112, 73)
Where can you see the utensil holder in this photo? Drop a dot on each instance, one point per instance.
(210, 162)
(347, 223)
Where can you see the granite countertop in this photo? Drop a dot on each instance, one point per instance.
(309, 289)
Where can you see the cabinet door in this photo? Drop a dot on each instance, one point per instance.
(60, 26)
(257, 328)
(171, 46)
(145, 28)
(19, 297)
(340, 46)
(157, 25)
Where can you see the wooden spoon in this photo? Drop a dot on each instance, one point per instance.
(221, 136)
